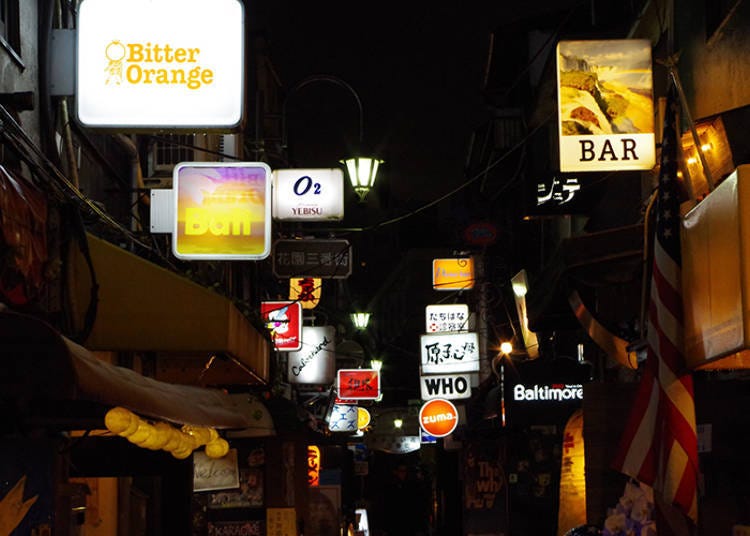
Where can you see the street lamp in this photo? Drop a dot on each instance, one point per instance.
(360, 320)
(362, 170)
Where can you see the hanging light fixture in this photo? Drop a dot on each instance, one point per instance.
(362, 173)
(362, 170)
(360, 320)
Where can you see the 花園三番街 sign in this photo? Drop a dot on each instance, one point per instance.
(149, 64)
(312, 257)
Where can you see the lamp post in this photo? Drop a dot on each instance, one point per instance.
(362, 170)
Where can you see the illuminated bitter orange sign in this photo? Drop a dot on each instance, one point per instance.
(152, 64)
(223, 211)
(453, 274)
(438, 417)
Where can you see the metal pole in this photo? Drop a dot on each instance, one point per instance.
(321, 78)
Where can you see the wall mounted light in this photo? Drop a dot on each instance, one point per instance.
(362, 170)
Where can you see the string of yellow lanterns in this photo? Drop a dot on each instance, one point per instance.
(162, 436)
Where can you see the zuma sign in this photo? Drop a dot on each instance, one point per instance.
(605, 105)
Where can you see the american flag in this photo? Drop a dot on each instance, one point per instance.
(659, 446)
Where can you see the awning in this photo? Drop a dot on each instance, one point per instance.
(36, 361)
(716, 276)
(144, 307)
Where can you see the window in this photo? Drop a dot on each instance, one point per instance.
(172, 149)
(10, 27)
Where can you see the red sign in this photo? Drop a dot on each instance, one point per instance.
(284, 322)
(358, 384)
(480, 234)
(438, 417)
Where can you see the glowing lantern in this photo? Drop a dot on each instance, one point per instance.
(119, 420)
(313, 466)
(305, 290)
(218, 448)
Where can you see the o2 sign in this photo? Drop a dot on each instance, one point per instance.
(308, 194)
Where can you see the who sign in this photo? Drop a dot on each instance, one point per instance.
(448, 386)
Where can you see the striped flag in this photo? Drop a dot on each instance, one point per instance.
(659, 446)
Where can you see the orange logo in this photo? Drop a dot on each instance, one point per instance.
(438, 417)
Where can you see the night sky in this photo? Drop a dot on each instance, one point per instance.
(417, 67)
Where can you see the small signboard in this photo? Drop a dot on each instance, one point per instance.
(446, 353)
(222, 211)
(315, 362)
(438, 417)
(447, 317)
(448, 386)
(283, 319)
(281, 522)
(327, 259)
(605, 105)
(215, 473)
(306, 291)
(343, 418)
(358, 384)
(308, 194)
(453, 274)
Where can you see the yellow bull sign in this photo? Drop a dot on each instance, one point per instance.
(223, 211)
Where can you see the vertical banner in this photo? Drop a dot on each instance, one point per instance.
(605, 105)
(485, 495)
(572, 511)
(281, 522)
